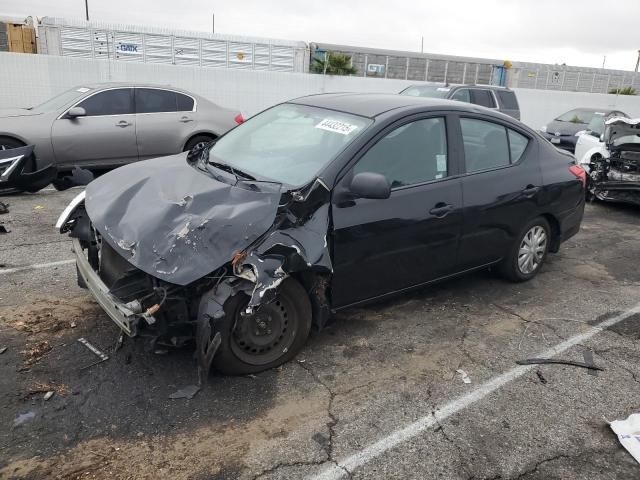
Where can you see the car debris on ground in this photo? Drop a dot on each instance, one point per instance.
(628, 432)
(103, 356)
(464, 376)
(557, 361)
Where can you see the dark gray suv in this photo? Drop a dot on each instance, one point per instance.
(497, 98)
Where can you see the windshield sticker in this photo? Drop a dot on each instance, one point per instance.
(598, 113)
(82, 89)
(336, 126)
(443, 89)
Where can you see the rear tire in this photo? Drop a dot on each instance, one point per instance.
(267, 339)
(528, 252)
(196, 140)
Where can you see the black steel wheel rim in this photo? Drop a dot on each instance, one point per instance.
(266, 335)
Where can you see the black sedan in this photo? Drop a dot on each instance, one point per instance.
(312, 206)
(562, 130)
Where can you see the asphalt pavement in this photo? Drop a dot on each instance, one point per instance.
(380, 393)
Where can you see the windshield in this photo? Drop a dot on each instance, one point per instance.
(288, 143)
(579, 116)
(62, 100)
(426, 91)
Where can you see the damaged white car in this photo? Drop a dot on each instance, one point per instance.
(613, 161)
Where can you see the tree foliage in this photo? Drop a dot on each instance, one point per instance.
(624, 91)
(334, 64)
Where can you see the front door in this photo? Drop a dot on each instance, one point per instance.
(105, 137)
(384, 246)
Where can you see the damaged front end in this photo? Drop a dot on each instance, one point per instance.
(164, 245)
(616, 178)
(21, 170)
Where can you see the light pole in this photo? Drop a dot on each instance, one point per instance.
(213, 23)
(86, 9)
(638, 61)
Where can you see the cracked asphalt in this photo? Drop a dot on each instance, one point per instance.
(372, 372)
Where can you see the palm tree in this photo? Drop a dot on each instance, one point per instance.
(334, 64)
(623, 91)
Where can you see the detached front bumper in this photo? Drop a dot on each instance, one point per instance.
(121, 313)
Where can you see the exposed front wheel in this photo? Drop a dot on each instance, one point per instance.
(528, 252)
(273, 335)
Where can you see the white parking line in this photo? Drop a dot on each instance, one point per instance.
(35, 266)
(392, 440)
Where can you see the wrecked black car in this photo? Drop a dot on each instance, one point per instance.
(315, 205)
(614, 173)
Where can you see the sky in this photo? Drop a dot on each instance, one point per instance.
(575, 32)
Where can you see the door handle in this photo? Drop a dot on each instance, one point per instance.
(441, 209)
(122, 124)
(186, 119)
(530, 191)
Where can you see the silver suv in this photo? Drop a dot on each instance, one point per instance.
(497, 98)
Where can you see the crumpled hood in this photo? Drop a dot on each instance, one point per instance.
(175, 222)
(564, 128)
(623, 134)
(17, 112)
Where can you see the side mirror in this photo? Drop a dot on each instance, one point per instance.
(76, 112)
(370, 185)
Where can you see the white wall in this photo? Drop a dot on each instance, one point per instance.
(29, 79)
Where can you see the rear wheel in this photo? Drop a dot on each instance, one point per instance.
(197, 141)
(273, 335)
(528, 252)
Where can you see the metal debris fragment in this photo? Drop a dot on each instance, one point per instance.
(541, 377)
(549, 361)
(187, 392)
(103, 356)
(48, 395)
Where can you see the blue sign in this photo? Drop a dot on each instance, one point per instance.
(128, 47)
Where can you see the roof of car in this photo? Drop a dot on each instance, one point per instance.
(131, 84)
(374, 104)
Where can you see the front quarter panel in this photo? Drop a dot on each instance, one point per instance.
(31, 130)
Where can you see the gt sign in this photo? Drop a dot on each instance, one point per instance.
(375, 68)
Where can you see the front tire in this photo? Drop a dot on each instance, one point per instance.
(270, 337)
(197, 140)
(528, 252)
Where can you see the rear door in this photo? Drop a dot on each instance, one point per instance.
(105, 137)
(164, 121)
(382, 246)
(501, 188)
(483, 97)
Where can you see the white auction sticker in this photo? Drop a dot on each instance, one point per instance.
(82, 89)
(336, 126)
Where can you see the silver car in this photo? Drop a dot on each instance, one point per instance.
(103, 126)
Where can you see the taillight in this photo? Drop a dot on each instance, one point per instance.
(238, 118)
(579, 172)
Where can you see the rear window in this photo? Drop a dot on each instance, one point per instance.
(185, 103)
(508, 99)
(426, 91)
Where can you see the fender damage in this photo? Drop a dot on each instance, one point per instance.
(172, 241)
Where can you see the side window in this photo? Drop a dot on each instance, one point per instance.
(485, 144)
(185, 103)
(517, 145)
(508, 99)
(109, 102)
(462, 95)
(410, 154)
(482, 97)
(153, 100)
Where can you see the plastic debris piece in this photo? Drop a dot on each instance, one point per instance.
(4, 208)
(465, 377)
(48, 395)
(549, 361)
(73, 324)
(628, 432)
(23, 417)
(3, 349)
(187, 392)
(4, 229)
(38, 207)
